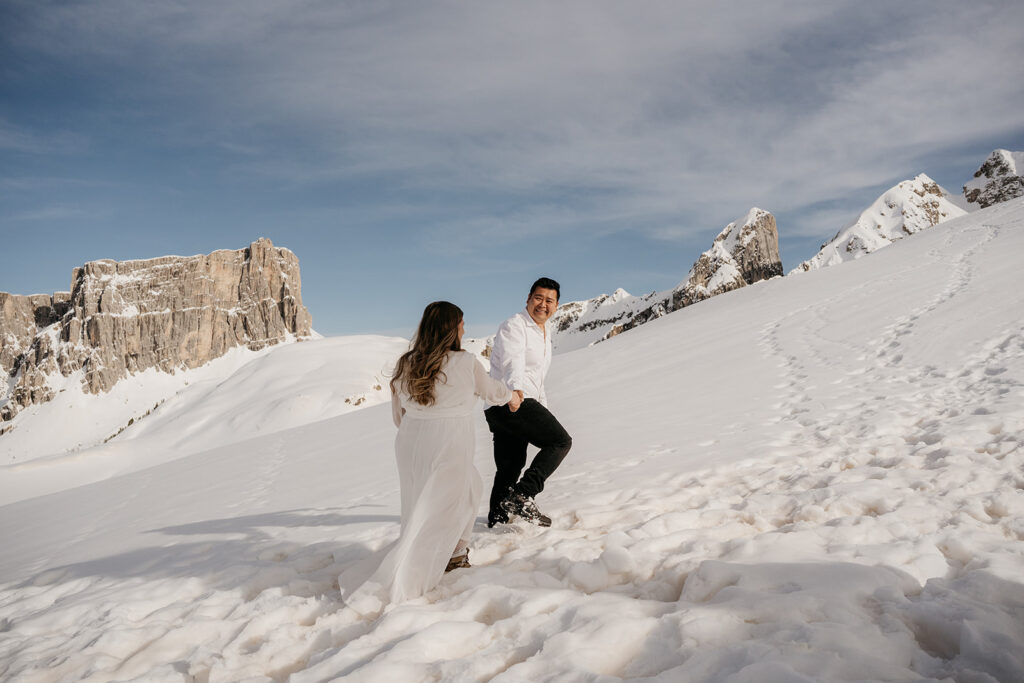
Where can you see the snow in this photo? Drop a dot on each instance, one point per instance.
(905, 209)
(819, 478)
(1011, 162)
(727, 272)
(189, 411)
(1001, 166)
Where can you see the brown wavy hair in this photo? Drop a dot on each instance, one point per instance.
(418, 368)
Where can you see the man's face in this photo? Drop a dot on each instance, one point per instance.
(541, 304)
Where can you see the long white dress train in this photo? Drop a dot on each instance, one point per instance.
(440, 485)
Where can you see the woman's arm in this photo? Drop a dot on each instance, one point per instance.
(492, 390)
(396, 409)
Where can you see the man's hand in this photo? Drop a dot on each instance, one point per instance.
(515, 401)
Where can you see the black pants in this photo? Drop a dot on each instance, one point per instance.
(531, 424)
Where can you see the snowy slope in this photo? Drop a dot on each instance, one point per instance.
(819, 478)
(907, 208)
(231, 399)
(75, 420)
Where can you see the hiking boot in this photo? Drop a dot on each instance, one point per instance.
(459, 562)
(496, 517)
(516, 504)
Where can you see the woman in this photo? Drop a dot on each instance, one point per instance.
(434, 393)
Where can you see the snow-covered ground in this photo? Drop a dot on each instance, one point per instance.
(153, 417)
(812, 478)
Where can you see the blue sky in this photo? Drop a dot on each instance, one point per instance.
(412, 151)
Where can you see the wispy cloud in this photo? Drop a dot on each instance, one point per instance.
(486, 123)
(16, 138)
(51, 213)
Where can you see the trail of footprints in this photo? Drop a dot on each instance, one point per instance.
(841, 473)
(846, 477)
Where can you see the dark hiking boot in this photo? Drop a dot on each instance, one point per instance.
(516, 504)
(459, 562)
(496, 517)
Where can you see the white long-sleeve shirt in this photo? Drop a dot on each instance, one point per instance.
(522, 355)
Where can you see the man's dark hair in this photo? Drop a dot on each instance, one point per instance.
(546, 283)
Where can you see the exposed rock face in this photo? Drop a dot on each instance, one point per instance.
(164, 313)
(745, 252)
(907, 208)
(21, 317)
(998, 180)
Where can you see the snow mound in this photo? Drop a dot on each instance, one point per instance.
(295, 385)
(153, 417)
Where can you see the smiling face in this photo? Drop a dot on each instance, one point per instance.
(541, 304)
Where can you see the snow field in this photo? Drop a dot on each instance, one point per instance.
(241, 395)
(811, 479)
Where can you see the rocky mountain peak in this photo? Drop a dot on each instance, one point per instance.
(747, 250)
(902, 210)
(166, 313)
(744, 252)
(998, 180)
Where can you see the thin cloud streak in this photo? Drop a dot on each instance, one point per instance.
(484, 124)
(520, 97)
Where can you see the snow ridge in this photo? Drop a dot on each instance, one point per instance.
(903, 210)
(744, 252)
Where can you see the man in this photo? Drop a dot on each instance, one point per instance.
(520, 358)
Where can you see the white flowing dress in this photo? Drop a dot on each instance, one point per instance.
(440, 485)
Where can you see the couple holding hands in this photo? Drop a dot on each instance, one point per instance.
(434, 391)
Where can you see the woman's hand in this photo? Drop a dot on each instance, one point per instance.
(515, 401)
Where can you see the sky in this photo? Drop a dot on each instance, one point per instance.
(415, 151)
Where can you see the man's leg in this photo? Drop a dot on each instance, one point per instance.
(538, 426)
(509, 458)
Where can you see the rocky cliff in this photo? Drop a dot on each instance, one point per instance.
(998, 180)
(907, 208)
(165, 313)
(744, 252)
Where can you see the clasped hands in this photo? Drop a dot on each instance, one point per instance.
(515, 401)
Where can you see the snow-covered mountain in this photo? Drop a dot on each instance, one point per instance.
(998, 180)
(842, 500)
(744, 252)
(581, 323)
(168, 313)
(905, 209)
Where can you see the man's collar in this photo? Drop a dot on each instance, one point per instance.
(529, 319)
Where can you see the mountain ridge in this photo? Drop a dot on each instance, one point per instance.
(744, 252)
(168, 313)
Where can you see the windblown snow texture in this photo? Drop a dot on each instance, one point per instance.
(817, 478)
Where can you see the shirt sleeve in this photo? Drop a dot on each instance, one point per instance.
(511, 338)
(396, 409)
(491, 390)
